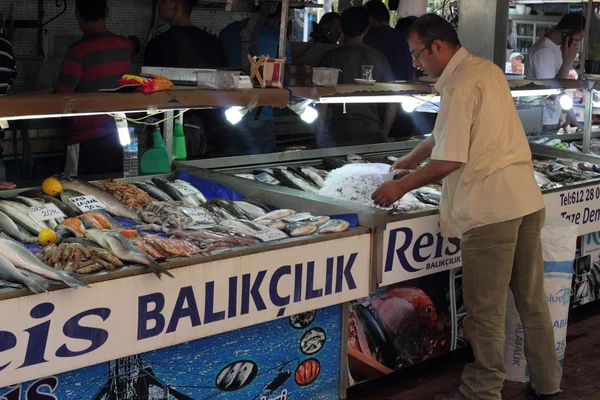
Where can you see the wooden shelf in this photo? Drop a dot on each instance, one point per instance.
(53, 105)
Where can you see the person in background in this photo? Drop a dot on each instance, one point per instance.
(268, 44)
(329, 29)
(403, 24)
(552, 57)
(392, 43)
(268, 40)
(515, 65)
(94, 63)
(389, 41)
(187, 46)
(360, 123)
(8, 74)
(183, 45)
(490, 199)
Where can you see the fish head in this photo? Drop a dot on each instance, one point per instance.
(420, 301)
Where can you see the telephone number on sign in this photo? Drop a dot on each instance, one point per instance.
(579, 196)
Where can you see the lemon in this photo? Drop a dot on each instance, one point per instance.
(51, 186)
(47, 237)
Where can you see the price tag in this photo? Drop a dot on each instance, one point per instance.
(269, 234)
(266, 178)
(45, 212)
(186, 190)
(198, 215)
(87, 203)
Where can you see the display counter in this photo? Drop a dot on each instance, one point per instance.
(127, 316)
(416, 273)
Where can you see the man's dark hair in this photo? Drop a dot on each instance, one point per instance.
(91, 10)
(328, 18)
(572, 22)
(378, 11)
(432, 27)
(355, 21)
(405, 23)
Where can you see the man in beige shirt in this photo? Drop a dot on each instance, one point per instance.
(489, 198)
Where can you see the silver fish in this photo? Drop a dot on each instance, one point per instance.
(35, 283)
(114, 206)
(314, 176)
(124, 250)
(334, 225)
(192, 189)
(297, 217)
(8, 226)
(277, 214)
(154, 191)
(254, 230)
(355, 159)
(301, 229)
(297, 181)
(19, 214)
(177, 191)
(320, 220)
(22, 258)
(253, 210)
(52, 200)
(278, 224)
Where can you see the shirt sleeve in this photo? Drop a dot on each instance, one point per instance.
(386, 71)
(453, 126)
(71, 73)
(544, 64)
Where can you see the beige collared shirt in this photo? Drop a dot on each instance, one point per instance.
(478, 126)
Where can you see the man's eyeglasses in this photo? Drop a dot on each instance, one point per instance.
(416, 55)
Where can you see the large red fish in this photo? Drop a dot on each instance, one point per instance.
(420, 301)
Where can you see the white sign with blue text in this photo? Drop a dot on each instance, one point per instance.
(415, 248)
(580, 206)
(46, 334)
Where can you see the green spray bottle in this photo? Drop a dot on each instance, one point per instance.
(155, 160)
(179, 149)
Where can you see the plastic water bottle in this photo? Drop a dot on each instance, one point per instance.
(130, 156)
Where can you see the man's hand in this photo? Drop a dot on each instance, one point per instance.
(405, 162)
(569, 49)
(7, 185)
(388, 193)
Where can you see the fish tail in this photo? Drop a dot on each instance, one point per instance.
(71, 279)
(38, 285)
(157, 269)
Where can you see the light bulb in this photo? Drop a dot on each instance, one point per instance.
(122, 129)
(410, 104)
(234, 115)
(566, 102)
(309, 115)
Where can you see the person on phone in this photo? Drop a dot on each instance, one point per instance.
(490, 199)
(552, 57)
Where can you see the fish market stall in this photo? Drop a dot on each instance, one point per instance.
(265, 280)
(418, 288)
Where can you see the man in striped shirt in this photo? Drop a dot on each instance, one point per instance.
(94, 63)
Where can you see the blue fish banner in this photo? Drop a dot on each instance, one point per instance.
(289, 358)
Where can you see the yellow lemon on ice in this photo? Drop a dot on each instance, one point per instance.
(47, 237)
(51, 186)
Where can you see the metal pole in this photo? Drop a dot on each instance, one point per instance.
(285, 7)
(586, 43)
(587, 121)
(168, 135)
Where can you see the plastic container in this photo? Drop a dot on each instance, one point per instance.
(179, 147)
(130, 157)
(218, 79)
(325, 76)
